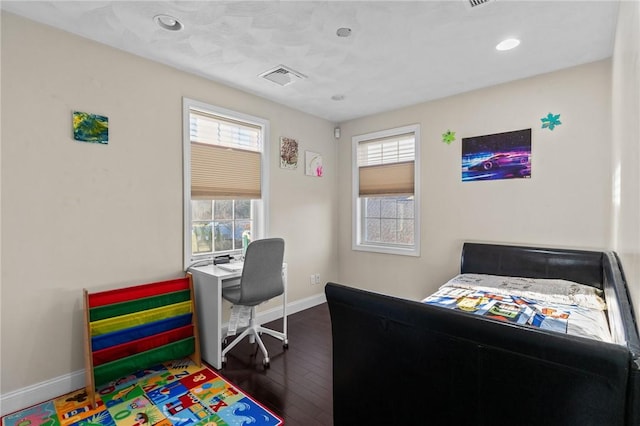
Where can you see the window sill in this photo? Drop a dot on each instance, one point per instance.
(410, 251)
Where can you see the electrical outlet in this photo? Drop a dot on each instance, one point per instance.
(317, 278)
(312, 279)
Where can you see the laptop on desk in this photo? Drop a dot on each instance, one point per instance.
(231, 267)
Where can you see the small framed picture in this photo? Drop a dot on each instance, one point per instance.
(90, 127)
(313, 164)
(288, 153)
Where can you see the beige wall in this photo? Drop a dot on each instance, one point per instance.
(78, 215)
(565, 203)
(626, 144)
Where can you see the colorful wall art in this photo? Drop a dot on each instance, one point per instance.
(497, 156)
(448, 137)
(551, 121)
(288, 153)
(90, 128)
(313, 164)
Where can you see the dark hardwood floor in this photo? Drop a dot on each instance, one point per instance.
(298, 385)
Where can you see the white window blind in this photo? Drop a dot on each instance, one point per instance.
(396, 149)
(217, 130)
(386, 165)
(225, 157)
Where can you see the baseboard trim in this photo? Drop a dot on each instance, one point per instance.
(49, 389)
(40, 392)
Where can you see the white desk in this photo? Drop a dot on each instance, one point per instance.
(208, 282)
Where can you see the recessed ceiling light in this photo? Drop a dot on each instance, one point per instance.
(168, 22)
(508, 44)
(337, 98)
(343, 32)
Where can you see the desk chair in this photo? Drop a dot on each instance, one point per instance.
(261, 280)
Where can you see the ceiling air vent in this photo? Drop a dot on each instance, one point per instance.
(476, 3)
(282, 75)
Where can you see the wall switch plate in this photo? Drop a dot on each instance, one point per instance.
(317, 278)
(312, 279)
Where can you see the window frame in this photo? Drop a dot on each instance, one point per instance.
(357, 202)
(259, 208)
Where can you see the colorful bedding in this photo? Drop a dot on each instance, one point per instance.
(558, 305)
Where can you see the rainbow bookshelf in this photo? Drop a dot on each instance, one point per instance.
(133, 328)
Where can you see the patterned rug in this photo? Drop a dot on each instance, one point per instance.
(174, 393)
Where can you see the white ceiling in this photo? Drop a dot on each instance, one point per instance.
(399, 54)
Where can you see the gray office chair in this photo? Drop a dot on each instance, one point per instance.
(261, 280)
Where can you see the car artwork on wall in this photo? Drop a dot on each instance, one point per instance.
(497, 156)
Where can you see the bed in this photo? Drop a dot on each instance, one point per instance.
(400, 361)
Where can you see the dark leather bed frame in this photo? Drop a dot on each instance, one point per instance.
(402, 362)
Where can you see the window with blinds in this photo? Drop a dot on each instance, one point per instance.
(225, 157)
(225, 164)
(386, 165)
(386, 199)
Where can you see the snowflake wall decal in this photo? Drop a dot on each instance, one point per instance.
(551, 121)
(448, 137)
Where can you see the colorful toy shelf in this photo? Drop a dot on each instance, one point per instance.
(132, 328)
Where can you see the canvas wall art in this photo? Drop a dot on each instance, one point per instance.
(90, 127)
(498, 156)
(313, 164)
(288, 153)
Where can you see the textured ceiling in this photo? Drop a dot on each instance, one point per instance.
(400, 53)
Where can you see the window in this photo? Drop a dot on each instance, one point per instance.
(386, 202)
(225, 170)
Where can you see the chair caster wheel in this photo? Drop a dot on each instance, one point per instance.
(265, 363)
(285, 345)
(223, 362)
